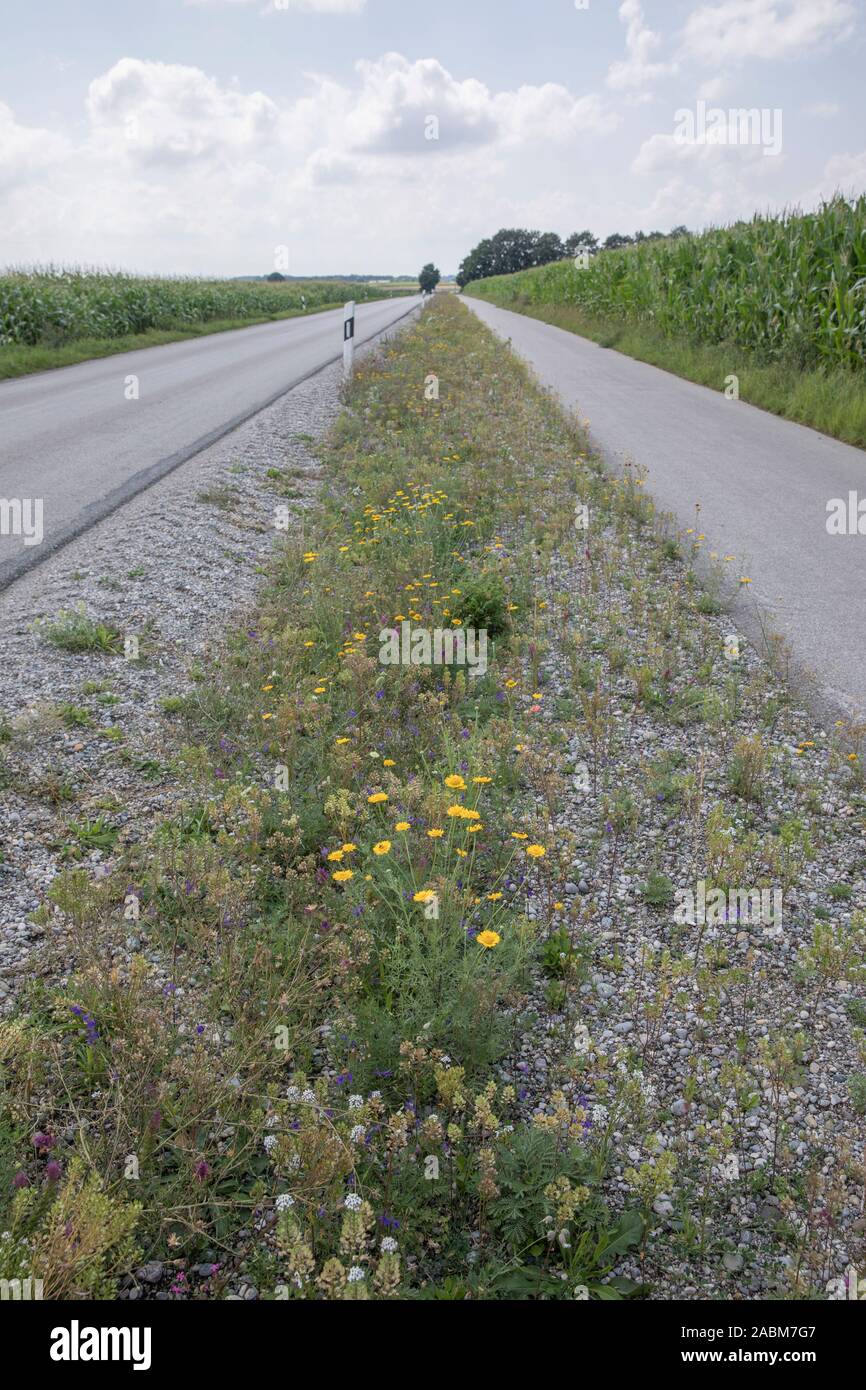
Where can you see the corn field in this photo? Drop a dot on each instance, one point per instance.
(792, 286)
(51, 306)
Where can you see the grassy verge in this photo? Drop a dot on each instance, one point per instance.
(17, 360)
(398, 1005)
(332, 953)
(830, 400)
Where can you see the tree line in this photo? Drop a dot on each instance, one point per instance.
(515, 248)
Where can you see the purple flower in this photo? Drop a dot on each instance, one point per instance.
(21, 1180)
(43, 1142)
(53, 1170)
(202, 1171)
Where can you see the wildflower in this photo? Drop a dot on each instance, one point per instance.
(494, 897)
(426, 895)
(353, 1202)
(355, 1102)
(269, 1142)
(349, 848)
(383, 847)
(356, 1275)
(389, 1245)
(389, 762)
(536, 851)
(488, 939)
(357, 1134)
(518, 835)
(482, 781)
(342, 740)
(455, 782)
(402, 825)
(53, 1170)
(285, 1201)
(436, 834)
(336, 855)
(21, 1180)
(342, 875)
(377, 797)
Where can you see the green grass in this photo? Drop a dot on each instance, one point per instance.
(777, 302)
(73, 631)
(260, 1002)
(54, 318)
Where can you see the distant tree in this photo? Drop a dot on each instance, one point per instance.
(429, 278)
(615, 240)
(548, 247)
(581, 241)
(275, 275)
(511, 249)
(679, 231)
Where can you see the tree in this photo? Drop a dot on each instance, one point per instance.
(615, 240)
(581, 241)
(548, 247)
(275, 275)
(429, 278)
(511, 249)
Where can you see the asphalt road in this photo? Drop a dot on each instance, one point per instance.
(71, 438)
(763, 484)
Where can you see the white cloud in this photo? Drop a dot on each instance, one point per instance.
(26, 152)
(824, 110)
(639, 69)
(733, 30)
(398, 101)
(713, 88)
(844, 173)
(177, 170)
(663, 153)
(165, 113)
(301, 6)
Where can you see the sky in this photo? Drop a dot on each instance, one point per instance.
(232, 137)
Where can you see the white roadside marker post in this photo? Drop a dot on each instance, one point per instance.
(348, 339)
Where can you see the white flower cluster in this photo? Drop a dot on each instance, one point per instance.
(389, 1246)
(356, 1275)
(356, 1102)
(285, 1201)
(357, 1135)
(353, 1202)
